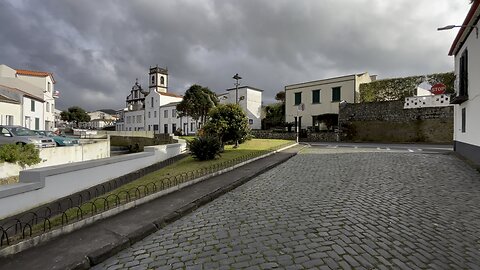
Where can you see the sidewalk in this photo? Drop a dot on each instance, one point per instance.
(91, 245)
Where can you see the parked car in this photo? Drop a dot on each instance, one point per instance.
(60, 140)
(21, 135)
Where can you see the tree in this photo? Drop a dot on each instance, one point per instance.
(197, 102)
(75, 114)
(228, 123)
(280, 96)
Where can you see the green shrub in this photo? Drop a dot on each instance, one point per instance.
(204, 148)
(22, 154)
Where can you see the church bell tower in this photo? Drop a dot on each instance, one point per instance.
(158, 79)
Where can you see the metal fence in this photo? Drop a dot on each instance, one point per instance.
(102, 198)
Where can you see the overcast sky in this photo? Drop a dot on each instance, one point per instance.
(96, 49)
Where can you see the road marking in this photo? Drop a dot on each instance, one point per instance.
(388, 148)
(410, 150)
(419, 149)
(378, 148)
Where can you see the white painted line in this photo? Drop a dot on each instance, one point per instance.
(419, 149)
(388, 148)
(410, 150)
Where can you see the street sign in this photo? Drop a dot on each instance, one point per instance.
(438, 89)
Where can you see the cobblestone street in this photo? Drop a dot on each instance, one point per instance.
(329, 209)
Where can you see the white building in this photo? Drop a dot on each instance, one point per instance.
(319, 100)
(143, 107)
(250, 99)
(466, 50)
(37, 104)
(10, 106)
(171, 122)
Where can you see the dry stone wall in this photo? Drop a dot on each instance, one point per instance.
(389, 122)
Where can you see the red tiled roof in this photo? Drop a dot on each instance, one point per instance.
(35, 73)
(171, 95)
(467, 21)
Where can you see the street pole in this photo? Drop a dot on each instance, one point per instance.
(236, 77)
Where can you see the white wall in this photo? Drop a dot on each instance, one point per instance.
(27, 112)
(43, 82)
(131, 120)
(40, 186)
(250, 100)
(62, 155)
(11, 109)
(472, 105)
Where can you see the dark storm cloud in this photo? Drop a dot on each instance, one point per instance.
(96, 49)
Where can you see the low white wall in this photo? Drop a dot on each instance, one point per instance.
(44, 185)
(146, 134)
(61, 155)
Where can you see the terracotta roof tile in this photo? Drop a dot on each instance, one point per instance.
(171, 95)
(35, 73)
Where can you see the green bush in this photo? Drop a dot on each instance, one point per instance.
(21, 154)
(204, 148)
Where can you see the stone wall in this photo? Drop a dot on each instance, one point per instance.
(389, 122)
(305, 137)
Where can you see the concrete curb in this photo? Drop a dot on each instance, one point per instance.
(21, 246)
(99, 255)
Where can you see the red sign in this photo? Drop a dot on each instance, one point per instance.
(438, 89)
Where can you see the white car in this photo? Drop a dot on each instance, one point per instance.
(21, 135)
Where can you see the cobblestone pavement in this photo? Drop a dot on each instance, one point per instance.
(325, 209)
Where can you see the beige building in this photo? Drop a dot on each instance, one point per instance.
(316, 104)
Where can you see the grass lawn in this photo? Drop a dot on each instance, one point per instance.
(181, 171)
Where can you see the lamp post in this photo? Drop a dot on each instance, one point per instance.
(236, 77)
(448, 27)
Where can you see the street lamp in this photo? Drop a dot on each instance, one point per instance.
(236, 77)
(449, 27)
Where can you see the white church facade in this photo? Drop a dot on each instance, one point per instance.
(146, 109)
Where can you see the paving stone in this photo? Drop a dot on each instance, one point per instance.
(329, 209)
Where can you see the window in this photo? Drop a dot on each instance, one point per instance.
(165, 128)
(154, 114)
(37, 123)
(32, 105)
(48, 87)
(464, 120)
(250, 121)
(298, 98)
(139, 119)
(155, 127)
(336, 94)
(162, 80)
(165, 114)
(149, 114)
(316, 96)
(191, 127)
(9, 119)
(153, 79)
(174, 113)
(47, 107)
(149, 127)
(174, 127)
(151, 101)
(53, 107)
(27, 123)
(463, 75)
